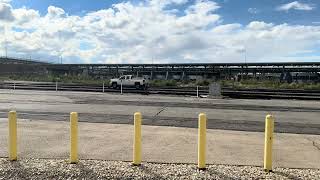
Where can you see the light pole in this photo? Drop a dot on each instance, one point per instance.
(245, 54)
(5, 42)
(5, 47)
(59, 37)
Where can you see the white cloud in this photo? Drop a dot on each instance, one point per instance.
(138, 33)
(203, 7)
(55, 11)
(6, 12)
(296, 6)
(258, 25)
(24, 15)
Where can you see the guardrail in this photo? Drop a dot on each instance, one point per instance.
(199, 91)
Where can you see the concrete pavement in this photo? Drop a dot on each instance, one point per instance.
(50, 139)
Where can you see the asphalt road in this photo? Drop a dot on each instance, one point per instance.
(292, 116)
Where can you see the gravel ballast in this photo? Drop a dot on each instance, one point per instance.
(98, 169)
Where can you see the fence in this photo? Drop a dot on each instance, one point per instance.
(137, 139)
(198, 91)
(103, 87)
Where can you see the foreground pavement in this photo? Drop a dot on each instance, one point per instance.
(50, 139)
(97, 169)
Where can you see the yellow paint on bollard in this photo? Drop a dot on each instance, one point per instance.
(202, 141)
(137, 139)
(73, 137)
(269, 126)
(12, 116)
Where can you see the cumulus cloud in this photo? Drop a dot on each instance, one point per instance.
(55, 11)
(258, 25)
(203, 7)
(24, 15)
(6, 12)
(296, 6)
(148, 31)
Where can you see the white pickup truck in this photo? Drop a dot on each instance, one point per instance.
(129, 81)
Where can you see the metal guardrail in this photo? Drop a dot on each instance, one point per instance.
(186, 91)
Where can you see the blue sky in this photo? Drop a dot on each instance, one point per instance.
(163, 31)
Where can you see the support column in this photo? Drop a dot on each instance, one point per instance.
(151, 75)
(183, 75)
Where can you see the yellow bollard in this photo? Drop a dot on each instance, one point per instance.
(268, 143)
(202, 141)
(137, 139)
(12, 135)
(73, 137)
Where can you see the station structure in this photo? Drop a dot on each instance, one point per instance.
(178, 71)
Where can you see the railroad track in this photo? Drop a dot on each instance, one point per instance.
(185, 91)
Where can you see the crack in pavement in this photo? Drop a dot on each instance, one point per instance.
(316, 145)
(162, 109)
(156, 115)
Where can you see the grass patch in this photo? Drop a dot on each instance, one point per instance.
(162, 83)
(54, 78)
(268, 84)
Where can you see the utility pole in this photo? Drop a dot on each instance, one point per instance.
(5, 42)
(245, 54)
(59, 37)
(6, 47)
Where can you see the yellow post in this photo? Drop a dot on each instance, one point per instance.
(268, 141)
(73, 137)
(202, 141)
(137, 139)
(12, 135)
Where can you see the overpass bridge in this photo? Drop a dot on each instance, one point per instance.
(183, 71)
(167, 71)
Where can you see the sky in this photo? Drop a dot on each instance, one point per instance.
(161, 31)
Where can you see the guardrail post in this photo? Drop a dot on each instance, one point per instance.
(103, 87)
(56, 85)
(268, 141)
(12, 116)
(14, 86)
(121, 87)
(73, 137)
(197, 91)
(202, 141)
(137, 139)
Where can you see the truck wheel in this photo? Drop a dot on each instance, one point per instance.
(114, 85)
(137, 86)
